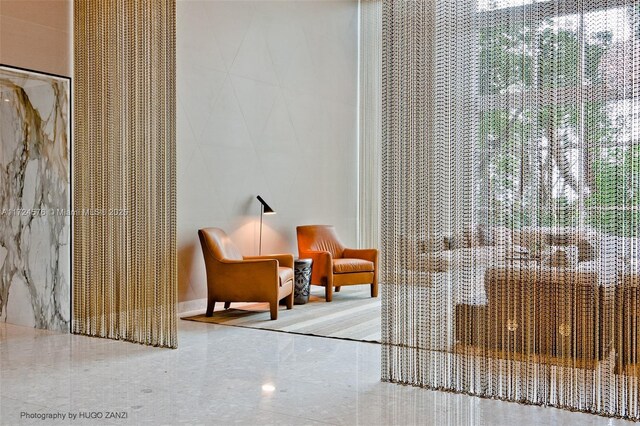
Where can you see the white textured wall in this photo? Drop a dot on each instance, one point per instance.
(267, 104)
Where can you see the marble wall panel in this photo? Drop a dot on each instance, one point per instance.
(35, 270)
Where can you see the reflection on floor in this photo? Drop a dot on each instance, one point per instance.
(226, 375)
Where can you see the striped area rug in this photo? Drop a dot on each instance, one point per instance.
(352, 315)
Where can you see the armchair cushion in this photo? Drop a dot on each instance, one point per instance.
(347, 266)
(285, 274)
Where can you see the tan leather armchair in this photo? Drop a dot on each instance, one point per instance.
(232, 277)
(334, 265)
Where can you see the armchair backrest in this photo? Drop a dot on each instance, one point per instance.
(217, 243)
(319, 237)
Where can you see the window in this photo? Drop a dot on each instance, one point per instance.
(559, 128)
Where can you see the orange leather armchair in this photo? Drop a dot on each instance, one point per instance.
(232, 277)
(334, 265)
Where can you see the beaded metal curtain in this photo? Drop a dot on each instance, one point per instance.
(370, 126)
(124, 265)
(510, 200)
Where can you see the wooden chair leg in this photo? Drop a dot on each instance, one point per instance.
(289, 300)
(328, 293)
(211, 304)
(338, 289)
(374, 290)
(227, 304)
(274, 310)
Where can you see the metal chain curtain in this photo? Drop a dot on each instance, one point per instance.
(124, 267)
(510, 200)
(370, 123)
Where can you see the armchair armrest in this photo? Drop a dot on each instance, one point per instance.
(285, 260)
(365, 254)
(260, 275)
(322, 266)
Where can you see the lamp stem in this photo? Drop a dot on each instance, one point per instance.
(260, 246)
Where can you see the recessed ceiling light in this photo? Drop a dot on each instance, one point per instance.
(6, 100)
(268, 387)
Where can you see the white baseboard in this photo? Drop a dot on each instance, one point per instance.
(192, 307)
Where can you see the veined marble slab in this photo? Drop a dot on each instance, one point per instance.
(35, 258)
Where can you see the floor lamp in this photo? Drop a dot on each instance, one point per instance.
(264, 209)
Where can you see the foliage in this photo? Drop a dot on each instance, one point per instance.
(547, 162)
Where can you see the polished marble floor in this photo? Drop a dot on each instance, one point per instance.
(227, 375)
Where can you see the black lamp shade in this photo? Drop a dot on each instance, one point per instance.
(267, 209)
